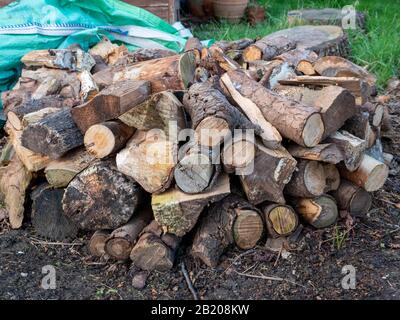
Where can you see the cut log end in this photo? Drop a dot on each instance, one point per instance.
(238, 155)
(281, 220)
(99, 141)
(97, 243)
(119, 247)
(320, 212)
(252, 53)
(313, 130)
(247, 229)
(211, 131)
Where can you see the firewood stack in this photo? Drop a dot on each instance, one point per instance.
(100, 142)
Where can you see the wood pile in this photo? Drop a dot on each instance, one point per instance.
(142, 149)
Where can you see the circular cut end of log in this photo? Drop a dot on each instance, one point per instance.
(360, 203)
(99, 141)
(377, 178)
(14, 120)
(238, 155)
(187, 67)
(194, 173)
(247, 229)
(118, 248)
(378, 116)
(97, 243)
(313, 130)
(283, 220)
(252, 53)
(314, 178)
(211, 131)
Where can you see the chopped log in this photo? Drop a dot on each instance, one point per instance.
(259, 69)
(194, 45)
(320, 212)
(178, 212)
(39, 115)
(359, 125)
(296, 121)
(14, 180)
(356, 86)
(160, 111)
(100, 197)
(240, 44)
(60, 172)
(70, 59)
(352, 198)
(266, 176)
(353, 148)
(300, 59)
(121, 241)
(145, 54)
(268, 48)
(110, 103)
(232, 220)
(376, 112)
(106, 138)
(213, 117)
(103, 49)
(388, 158)
(225, 62)
(97, 243)
(332, 177)
(48, 87)
(7, 153)
(48, 217)
(89, 87)
(281, 220)
(370, 175)
(238, 155)
(53, 136)
(308, 181)
(32, 161)
(336, 104)
(270, 136)
(386, 121)
(169, 73)
(149, 158)
(327, 152)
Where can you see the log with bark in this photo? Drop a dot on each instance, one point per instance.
(268, 48)
(281, 220)
(359, 125)
(320, 212)
(97, 243)
(332, 177)
(300, 59)
(326, 152)
(376, 113)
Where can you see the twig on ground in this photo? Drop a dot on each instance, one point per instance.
(189, 281)
(268, 278)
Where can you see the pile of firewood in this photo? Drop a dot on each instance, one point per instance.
(143, 148)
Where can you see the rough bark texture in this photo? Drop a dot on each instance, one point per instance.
(326, 152)
(281, 220)
(320, 212)
(296, 56)
(332, 177)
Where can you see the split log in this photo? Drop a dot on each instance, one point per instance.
(213, 117)
(336, 104)
(376, 112)
(53, 136)
(294, 120)
(121, 241)
(327, 152)
(320, 212)
(359, 125)
(106, 138)
(332, 177)
(352, 198)
(14, 180)
(149, 158)
(48, 217)
(60, 172)
(268, 48)
(239, 44)
(353, 148)
(70, 59)
(370, 175)
(161, 111)
(145, 54)
(225, 62)
(260, 69)
(308, 181)
(110, 103)
(281, 220)
(301, 60)
(232, 220)
(266, 176)
(97, 243)
(39, 115)
(238, 155)
(178, 212)
(169, 73)
(194, 45)
(89, 87)
(100, 197)
(103, 49)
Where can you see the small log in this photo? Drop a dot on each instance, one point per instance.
(327, 152)
(376, 112)
(281, 220)
(53, 136)
(332, 177)
(359, 126)
(353, 148)
(60, 172)
(170, 73)
(320, 212)
(259, 69)
(178, 212)
(308, 181)
(100, 197)
(232, 220)
(103, 49)
(48, 217)
(97, 243)
(38, 115)
(213, 117)
(194, 45)
(145, 54)
(300, 59)
(353, 199)
(296, 121)
(238, 155)
(14, 181)
(110, 103)
(370, 175)
(121, 241)
(149, 158)
(106, 138)
(268, 48)
(89, 87)
(239, 44)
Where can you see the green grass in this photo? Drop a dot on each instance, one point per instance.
(378, 49)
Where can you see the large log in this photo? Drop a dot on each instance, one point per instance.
(110, 103)
(178, 212)
(296, 121)
(149, 158)
(169, 73)
(53, 136)
(48, 217)
(326, 152)
(281, 220)
(100, 197)
(320, 212)
(229, 221)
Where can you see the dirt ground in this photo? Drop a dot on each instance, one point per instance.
(313, 270)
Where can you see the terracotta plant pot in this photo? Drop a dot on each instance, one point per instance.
(255, 14)
(232, 10)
